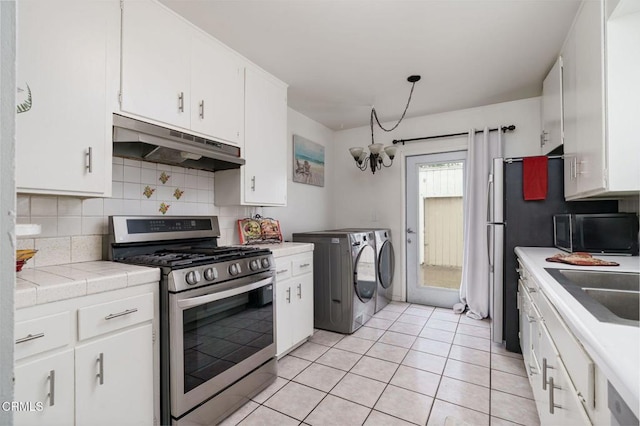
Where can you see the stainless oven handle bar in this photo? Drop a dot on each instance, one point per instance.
(201, 300)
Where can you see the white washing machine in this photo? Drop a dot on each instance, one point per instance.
(344, 278)
(385, 263)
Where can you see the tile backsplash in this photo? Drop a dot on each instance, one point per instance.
(72, 227)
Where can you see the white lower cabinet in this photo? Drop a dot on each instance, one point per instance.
(562, 375)
(560, 402)
(113, 382)
(294, 301)
(104, 375)
(47, 385)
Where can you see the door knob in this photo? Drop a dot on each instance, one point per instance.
(410, 231)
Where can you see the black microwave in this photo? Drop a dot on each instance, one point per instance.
(603, 233)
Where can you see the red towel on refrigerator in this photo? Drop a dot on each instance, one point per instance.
(534, 178)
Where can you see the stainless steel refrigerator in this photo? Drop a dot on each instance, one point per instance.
(514, 222)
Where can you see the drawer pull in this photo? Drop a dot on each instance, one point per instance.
(100, 362)
(121, 314)
(545, 365)
(304, 265)
(29, 337)
(52, 387)
(531, 319)
(531, 289)
(281, 271)
(552, 404)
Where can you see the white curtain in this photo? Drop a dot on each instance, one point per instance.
(474, 288)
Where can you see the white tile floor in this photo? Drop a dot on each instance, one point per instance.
(410, 364)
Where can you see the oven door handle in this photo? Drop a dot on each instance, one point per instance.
(201, 300)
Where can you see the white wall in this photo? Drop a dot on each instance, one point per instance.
(309, 208)
(366, 200)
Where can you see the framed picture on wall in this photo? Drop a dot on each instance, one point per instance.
(308, 161)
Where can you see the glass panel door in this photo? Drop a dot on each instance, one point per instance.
(435, 194)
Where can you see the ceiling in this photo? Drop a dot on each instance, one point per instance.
(340, 57)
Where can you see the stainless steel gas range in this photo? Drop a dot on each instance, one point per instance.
(217, 334)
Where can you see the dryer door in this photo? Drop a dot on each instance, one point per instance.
(364, 277)
(386, 264)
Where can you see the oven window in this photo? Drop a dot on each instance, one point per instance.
(221, 334)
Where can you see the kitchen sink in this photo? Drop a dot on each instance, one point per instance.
(609, 296)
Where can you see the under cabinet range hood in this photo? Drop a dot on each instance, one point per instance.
(139, 140)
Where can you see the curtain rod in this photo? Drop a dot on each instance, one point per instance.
(503, 128)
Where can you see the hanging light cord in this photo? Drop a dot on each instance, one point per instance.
(374, 114)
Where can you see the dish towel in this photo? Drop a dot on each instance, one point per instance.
(534, 178)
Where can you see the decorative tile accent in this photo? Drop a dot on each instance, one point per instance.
(178, 193)
(148, 191)
(164, 208)
(164, 177)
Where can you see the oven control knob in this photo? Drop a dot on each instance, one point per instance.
(265, 262)
(210, 274)
(234, 268)
(193, 277)
(254, 265)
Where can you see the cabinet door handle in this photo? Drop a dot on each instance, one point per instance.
(89, 156)
(52, 388)
(29, 337)
(253, 183)
(202, 109)
(545, 365)
(552, 404)
(100, 362)
(531, 319)
(299, 291)
(289, 295)
(181, 102)
(121, 314)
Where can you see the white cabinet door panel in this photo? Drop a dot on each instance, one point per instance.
(265, 171)
(217, 85)
(67, 64)
(156, 62)
(105, 370)
(49, 382)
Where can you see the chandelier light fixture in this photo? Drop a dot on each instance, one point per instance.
(375, 159)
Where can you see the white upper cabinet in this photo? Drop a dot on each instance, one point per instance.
(156, 62)
(217, 82)
(552, 127)
(175, 74)
(600, 61)
(67, 78)
(262, 181)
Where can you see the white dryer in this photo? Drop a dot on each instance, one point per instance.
(385, 263)
(344, 278)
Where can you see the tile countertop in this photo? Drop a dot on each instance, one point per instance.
(285, 249)
(47, 284)
(614, 348)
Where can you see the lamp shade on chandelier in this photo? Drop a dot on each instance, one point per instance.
(378, 154)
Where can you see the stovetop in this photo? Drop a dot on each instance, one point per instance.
(186, 249)
(193, 256)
